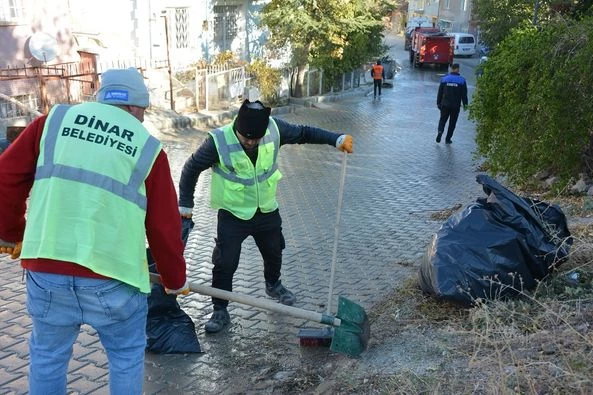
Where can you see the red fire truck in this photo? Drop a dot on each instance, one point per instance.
(431, 47)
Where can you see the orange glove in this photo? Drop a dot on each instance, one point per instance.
(14, 251)
(344, 143)
(181, 291)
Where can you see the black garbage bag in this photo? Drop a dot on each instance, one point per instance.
(169, 330)
(495, 248)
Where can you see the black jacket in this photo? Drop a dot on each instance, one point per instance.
(452, 91)
(206, 155)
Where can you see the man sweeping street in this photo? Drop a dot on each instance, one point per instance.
(100, 186)
(243, 156)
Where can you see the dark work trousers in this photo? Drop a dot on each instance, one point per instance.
(266, 230)
(450, 113)
(377, 85)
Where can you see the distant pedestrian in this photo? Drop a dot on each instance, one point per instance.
(243, 156)
(378, 74)
(97, 186)
(452, 93)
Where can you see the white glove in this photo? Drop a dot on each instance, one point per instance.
(186, 212)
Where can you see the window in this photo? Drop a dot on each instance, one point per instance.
(448, 4)
(225, 25)
(181, 28)
(9, 109)
(11, 10)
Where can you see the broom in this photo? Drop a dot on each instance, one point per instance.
(322, 337)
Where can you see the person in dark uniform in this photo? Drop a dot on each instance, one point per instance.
(243, 157)
(452, 93)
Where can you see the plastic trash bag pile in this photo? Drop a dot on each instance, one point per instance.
(497, 247)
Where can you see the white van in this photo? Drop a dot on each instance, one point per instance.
(465, 44)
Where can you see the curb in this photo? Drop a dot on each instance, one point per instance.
(168, 120)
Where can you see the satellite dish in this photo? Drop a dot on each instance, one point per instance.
(43, 47)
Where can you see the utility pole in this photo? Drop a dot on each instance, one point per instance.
(535, 10)
(172, 99)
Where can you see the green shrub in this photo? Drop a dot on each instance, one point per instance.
(227, 57)
(266, 79)
(190, 73)
(533, 105)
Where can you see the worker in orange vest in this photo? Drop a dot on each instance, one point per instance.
(378, 74)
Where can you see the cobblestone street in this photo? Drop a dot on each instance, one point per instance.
(397, 177)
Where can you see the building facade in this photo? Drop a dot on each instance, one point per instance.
(449, 15)
(139, 29)
(456, 16)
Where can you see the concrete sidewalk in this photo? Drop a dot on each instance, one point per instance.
(159, 119)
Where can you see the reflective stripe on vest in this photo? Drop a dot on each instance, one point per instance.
(88, 201)
(225, 149)
(238, 185)
(129, 191)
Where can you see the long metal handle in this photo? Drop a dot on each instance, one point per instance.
(7, 244)
(337, 234)
(261, 303)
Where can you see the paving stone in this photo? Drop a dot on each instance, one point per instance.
(395, 179)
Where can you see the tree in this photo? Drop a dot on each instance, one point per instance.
(498, 17)
(334, 35)
(533, 105)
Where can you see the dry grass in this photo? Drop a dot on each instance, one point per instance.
(538, 343)
(442, 215)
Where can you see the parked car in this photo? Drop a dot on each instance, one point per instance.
(465, 44)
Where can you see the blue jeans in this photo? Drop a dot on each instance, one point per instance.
(59, 304)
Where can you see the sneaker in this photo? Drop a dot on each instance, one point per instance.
(220, 319)
(278, 291)
(438, 140)
(448, 141)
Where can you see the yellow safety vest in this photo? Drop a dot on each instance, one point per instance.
(237, 185)
(88, 201)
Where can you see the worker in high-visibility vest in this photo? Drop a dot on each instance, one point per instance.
(243, 156)
(100, 186)
(378, 74)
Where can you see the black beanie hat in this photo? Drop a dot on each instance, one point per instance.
(252, 120)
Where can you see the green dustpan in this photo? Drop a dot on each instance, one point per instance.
(351, 337)
(352, 329)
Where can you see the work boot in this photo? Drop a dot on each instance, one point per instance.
(278, 291)
(439, 137)
(220, 319)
